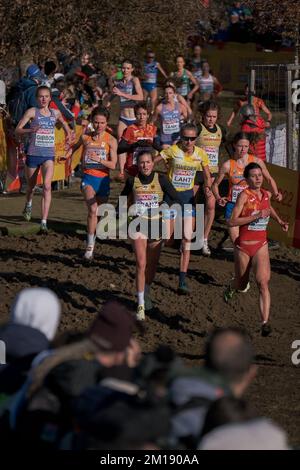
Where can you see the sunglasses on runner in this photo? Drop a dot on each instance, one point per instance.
(187, 138)
(151, 56)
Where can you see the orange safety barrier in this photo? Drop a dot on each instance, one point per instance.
(12, 158)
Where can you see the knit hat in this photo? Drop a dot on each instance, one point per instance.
(113, 327)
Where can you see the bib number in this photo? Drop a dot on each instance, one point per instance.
(93, 157)
(145, 202)
(171, 127)
(213, 155)
(45, 138)
(183, 179)
(236, 190)
(259, 225)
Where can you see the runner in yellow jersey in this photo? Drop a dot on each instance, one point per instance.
(183, 160)
(210, 139)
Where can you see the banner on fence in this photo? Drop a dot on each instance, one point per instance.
(288, 182)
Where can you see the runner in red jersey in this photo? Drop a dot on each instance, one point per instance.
(251, 213)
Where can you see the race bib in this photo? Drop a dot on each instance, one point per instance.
(213, 155)
(259, 224)
(45, 138)
(151, 78)
(236, 190)
(145, 202)
(183, 179)
(171, 126)
(93, 155)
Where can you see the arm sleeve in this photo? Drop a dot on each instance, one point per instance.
(125, 147)
(224, 134)
(128, 187)
(156, 144)
(168, 188)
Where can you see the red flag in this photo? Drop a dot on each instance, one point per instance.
(205, 3)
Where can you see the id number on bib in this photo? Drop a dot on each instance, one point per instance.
(171, 127)
(183, 179)
(45, 138)
(236, 190)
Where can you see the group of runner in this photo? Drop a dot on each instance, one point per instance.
(190, 154)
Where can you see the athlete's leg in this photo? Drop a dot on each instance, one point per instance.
(188, 227)
(145, 94)
(92, 205)
(122, 157)
(262, 271)
(140, 249)
(153, 96)
(31, 178)
(47, 173)
(242, 265)
(233, 233)
(153, 254)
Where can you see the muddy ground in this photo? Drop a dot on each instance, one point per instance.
(55, 261)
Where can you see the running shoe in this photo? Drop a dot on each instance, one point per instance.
(244, 290)
(266, 329)
(89, 252)
(27, 212)
(140, 314)
(43, 228)
(148, 303)
(205, 249)
(229, 293)
(183, 289)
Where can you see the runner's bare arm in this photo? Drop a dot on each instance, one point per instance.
(217, 86)
(64, 124)
(224, 170)
(183, 111)
(156, 113)
(111, 164)
(77, 145)
(207, 179)
(269, 179)
(275, 216)
(30, 113)
(194, 82)
(162, 70)
(139, 92)
(182, 101)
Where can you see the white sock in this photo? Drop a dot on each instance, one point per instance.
(147, 289)
(29, 204)
(44, 221)
(90, 239)
(140, 296)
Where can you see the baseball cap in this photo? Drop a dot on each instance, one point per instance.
(113, 327)
(33, 71)
(58, 76)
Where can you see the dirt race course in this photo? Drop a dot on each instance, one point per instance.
(55, 261)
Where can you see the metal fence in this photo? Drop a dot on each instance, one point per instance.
(279, 86)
